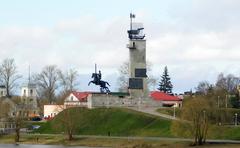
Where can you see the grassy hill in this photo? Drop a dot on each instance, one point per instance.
(125, 122)
(119, 122)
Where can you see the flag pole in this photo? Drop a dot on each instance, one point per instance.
(95, 68)
(130, 21)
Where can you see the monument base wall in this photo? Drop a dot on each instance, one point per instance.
(108, 100)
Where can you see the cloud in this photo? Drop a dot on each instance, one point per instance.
(196, 40)
(77, 43)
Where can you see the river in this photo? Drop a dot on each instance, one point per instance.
(39, 146)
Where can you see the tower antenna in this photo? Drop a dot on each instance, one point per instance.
(131, 17)
(29, 75)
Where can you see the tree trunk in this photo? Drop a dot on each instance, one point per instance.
(17, 136)
(70, 136)
(7, 89)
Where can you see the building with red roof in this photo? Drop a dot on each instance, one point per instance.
(166, 99)
(94, 99)
(77, 99)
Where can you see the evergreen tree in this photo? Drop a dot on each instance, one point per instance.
(165, 84)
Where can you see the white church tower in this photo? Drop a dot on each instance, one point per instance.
(29, 93)
(29, 90)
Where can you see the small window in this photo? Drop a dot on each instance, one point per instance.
(31, 92)
(71, 98)
(24, 92)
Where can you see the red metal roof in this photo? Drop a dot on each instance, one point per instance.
(161, 96)
(81, 96)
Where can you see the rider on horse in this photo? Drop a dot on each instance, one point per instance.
(97, 81)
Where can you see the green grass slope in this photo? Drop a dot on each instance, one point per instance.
(119, 122)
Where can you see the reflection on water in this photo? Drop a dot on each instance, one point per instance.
(36, 146)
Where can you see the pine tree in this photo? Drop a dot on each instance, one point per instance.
(165, 84)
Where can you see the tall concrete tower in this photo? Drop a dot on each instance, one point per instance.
(137, 68)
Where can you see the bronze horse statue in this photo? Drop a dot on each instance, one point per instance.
(97, 81)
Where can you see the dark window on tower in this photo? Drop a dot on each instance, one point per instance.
(31, 92)
(135, 83)
(140, 72)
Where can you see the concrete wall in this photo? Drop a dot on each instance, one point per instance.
(105, 100)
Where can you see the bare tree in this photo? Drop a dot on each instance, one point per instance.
(67, 120)
(124, 76)
(195, 117)
(8, 75)
(68, 81)
(228, 84)
(47, 82)
(203, 87)
(19, 122)
(19, 116)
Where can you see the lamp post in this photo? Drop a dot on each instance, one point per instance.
(235, 119)
(204, 115)
(226, 101)
(140, 100)
(174, 112)
(107, 101)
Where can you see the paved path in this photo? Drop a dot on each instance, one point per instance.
(150, 138)
(161, 139)
(153, 111)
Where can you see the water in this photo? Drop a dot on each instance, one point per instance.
(38, 146)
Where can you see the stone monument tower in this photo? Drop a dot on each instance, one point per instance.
(137, 68)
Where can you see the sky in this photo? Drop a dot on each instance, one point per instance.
(195, 39)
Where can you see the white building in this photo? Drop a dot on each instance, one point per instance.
(77, 99)
(3, 91)
(51, 111)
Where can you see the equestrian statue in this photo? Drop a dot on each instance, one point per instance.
(97, 81)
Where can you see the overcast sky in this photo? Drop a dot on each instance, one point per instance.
(196, 39)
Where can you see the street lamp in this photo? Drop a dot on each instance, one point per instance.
(235, 119)
(140, 100)
(174, 112)
(204, 115)
(226, 101)
(108, 101)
